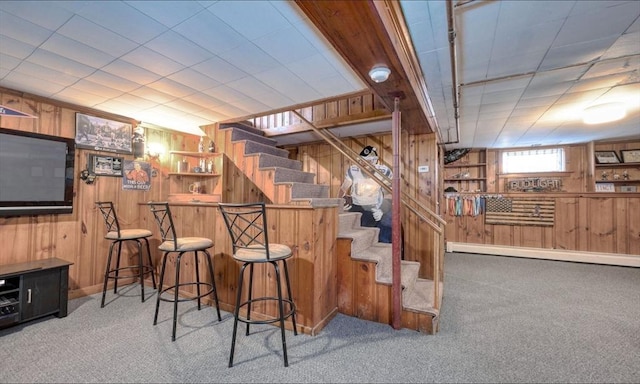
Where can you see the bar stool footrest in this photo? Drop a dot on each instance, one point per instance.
(269, 320)
(145, 270)
(181, 299)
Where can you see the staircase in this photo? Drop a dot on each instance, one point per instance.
(280, 180)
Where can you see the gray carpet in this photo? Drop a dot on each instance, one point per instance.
(503, 320)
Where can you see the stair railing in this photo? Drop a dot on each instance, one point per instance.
(433, 220)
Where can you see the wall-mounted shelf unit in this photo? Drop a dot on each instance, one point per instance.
(467, 174)
(616, 177)
(183, 175)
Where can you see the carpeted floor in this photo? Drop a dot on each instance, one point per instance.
(503, 320)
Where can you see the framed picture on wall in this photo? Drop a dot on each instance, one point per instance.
(104, 165)
(103, 135)
(630, 156)
(607, 157)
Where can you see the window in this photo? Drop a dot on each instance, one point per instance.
(535, 160)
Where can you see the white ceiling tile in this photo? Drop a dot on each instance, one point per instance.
(250, 59)
(50, 17)
(171, 87)
(16, 49)
(153, 95)
(626, 45)
(76, 51)
(60, 63)
(285, 45)
(76, 95)
(45, 73)
(91, 87)
(252, 19)
(169, 13)
(220, 70)
(176, 47)
(22, 30)
(193, 79)
(152, 61)
(207, 101)
(135, 26)
(28, 83)
(8, 63)
(614, 66)
(210, 33)
(93, 35)
(112, 81)
(183, 105)
(288, 84)
(129, 71)
(585, 52)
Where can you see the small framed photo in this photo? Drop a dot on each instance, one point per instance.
(100, 165)
(630, 156)
(605, 187)
(607, 157)
(628, 188)
(103, 135)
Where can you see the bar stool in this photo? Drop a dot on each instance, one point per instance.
(118, 236)
(172, 243)
(247, 226)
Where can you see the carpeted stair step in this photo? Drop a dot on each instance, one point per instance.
(267, 161)
(319, 202)
(362, 238)
(348, 220)
(419, 297)
(283, 175)
(307, 190)
(247, 126)
(238, 134)
(252, 147)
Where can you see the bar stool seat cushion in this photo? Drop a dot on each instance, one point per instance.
(128, 234)
(186, 244)
(256, 252)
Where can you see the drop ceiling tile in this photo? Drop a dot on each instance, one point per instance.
(220, 70)
(210, 33)
(626, 45)
(250, 59)
(22, 30)
(47, 14)
(585, 52)
(153, 95)
(477, 24)
(136, 102)
(169, 13)
(14, 48)
(171, 87)
(112, 81)
(315, 66)
(252, 19)
(60, 63)
(193, 79)
(76, 51)
(46, 74)
(509, 96)
(535, 91)
(90, 87)
(135, 26)
(185, 106)
(127, 70)
(614, 66)
(176, 47)
(224, 93)
(206, 101)
(288, 84)
(79, 96)
(93, 35)
(8, 63)
(286, 45)
(152, 61)
(28, 83)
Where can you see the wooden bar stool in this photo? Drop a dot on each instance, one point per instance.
(172, 243)
(118, 236)
(247, 226)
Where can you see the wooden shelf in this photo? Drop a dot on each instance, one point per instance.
(196, 154)
(468, 179)
(465, 165)
(618, 181)
(618, 165)
(199, 174)
(194, 198)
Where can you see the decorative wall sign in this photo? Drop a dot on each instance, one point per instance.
(9, 112)
(104, 165)
(517, 211)
(136, 175)
(102, 134)
(605, 187)
(535, 184)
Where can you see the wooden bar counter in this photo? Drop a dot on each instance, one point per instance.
(310, 232)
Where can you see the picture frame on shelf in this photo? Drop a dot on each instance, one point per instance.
(628, 188)
(630, 155)
(605, 187)
(100, 165)
(607, 157)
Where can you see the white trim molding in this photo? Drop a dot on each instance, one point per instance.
(545, 253)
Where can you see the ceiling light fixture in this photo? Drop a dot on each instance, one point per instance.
(604, 113)
(379, 73)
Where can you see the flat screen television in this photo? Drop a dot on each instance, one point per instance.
(36, 173)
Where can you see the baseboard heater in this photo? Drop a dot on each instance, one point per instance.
(548, 254)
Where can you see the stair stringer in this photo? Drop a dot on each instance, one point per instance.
(364, 280)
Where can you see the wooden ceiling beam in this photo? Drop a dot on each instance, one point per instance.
(369, 33)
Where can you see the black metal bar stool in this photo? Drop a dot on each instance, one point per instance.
(247, 226)
(118, 236)
(181, 245)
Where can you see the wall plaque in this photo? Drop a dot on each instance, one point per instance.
(534, 184)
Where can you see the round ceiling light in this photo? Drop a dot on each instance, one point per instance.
(379, 73)
(604, 113)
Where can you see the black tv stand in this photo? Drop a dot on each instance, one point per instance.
(32, 290)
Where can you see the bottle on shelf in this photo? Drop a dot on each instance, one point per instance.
(201, 145)
(212, 146)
